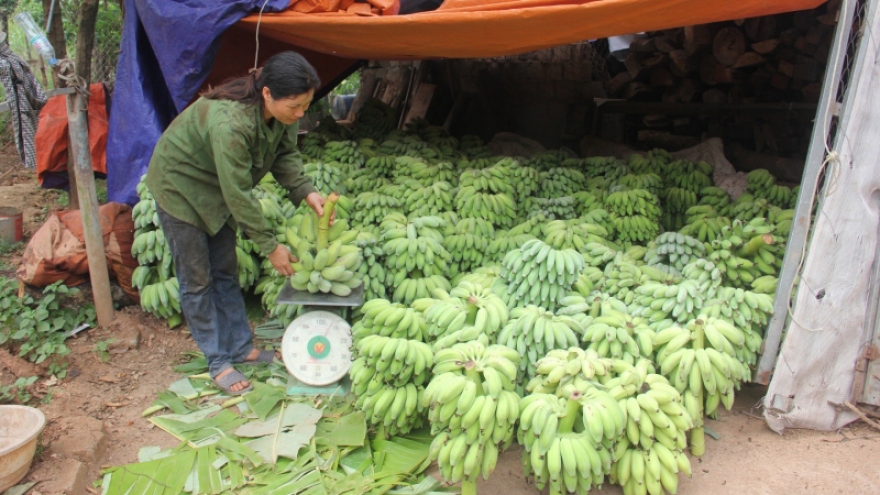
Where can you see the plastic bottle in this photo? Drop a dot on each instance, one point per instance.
(36, 37)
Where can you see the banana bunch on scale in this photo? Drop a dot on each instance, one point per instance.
(328, 259)
(472, 409)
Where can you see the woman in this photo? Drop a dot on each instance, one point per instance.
(201, 174)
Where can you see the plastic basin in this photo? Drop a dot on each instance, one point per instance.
(19, 428)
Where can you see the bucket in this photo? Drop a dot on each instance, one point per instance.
(10, 225)
(19, 429)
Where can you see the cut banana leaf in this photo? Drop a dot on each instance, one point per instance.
(184, 389)
(264, 399)
(160, 477)
(347, 431)
(294, 414)
(359, 460)
(199, 431)
(284, 444)
(428, 486)
(197, 365)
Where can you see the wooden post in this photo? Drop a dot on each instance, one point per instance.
(85, 186)
(72, 196)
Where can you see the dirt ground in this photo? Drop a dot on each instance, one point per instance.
(94, 415)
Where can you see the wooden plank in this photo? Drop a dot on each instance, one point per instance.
(828, 318)
(421, 101)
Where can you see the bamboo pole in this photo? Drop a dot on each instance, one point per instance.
(85, 186)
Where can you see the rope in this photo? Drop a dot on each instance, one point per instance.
(257, 36)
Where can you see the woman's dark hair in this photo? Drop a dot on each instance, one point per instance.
(285, 74)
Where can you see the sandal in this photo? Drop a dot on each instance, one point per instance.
(228, 380)
(265, 356)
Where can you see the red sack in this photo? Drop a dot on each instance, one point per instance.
(51, 141)
(58, 250)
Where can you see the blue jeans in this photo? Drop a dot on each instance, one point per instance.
(210, 296)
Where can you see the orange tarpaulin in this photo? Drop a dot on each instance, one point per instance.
(480, 28)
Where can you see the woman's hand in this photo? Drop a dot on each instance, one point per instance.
(316, 202)
(281, 258)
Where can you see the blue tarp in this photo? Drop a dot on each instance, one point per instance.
(168, 48)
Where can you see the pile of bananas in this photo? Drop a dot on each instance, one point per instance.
(387, 379)
(560, 181)
(537, 274)
(162, 298)
(747, 207)
(467, 242)
(766, 284)
(312, 146)
(700, 361)
(382, 165)
(606, 168)
(469, 312)
(415, 258)
(491, 180)
(674, 249)
(345, 152)
(427, 200)
(363, 180)
(686, 174)
(504, 242)
(645, 180)
(526, 180)
(329, 259)
(572, 234)
(716, 198)
(588, 202)
(781, 220)
(748, 311)
(561, 371)
(472, 409)
(760, 182)
(375, 119)
(656, 160)
(564, 456)
(618, 335)
(474, 147)
(705, 228)
(500, 209)
(324, 176)
(150, 246)
(676, 202)
(387, 319)
(562, 208)
(657, 302)
(534, 331)
(635, 214)
(650, 456)
(597, 254)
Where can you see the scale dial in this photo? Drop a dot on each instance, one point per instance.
(316, 348)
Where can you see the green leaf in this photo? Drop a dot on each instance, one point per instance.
(184, 389)
(285, 444)
(19, 489)
(264, 398)
(294, 414)
(347, 431)
(163, 476)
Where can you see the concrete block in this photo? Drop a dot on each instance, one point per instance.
(83, 440)
(69, 477)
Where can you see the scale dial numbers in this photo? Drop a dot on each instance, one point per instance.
(316, 348)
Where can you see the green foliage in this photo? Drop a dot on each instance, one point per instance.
(17, 392)
(35, 328)
(102, 349)
(350, 85)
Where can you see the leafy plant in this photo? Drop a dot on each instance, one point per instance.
(35, 327)
(7, 248)
(17, 392)
(102, 349)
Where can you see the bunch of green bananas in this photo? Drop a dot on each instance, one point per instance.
(363, 180)
(534, 331)
(618, 335)
(325, 177)
(416, 261)
(382, 166)
(748, 311)
(312, 145)
(635, 214)
(385, 318)
(706, 275)
(560, 181)
(345, 152)
(760, 181)
(375, 119)
(705, 228)
(688, 174)
(162, 298)
(526, 180)
(144, 211)
(474, 146)
(472, 409)
(428, 200)
(716, 198)
(533, 226)
(491, 180)
(389, 361)
(372, 268)
(565, 454)
(588, 280)
(782, 220)
(538, 274)
(572, 234)
(656, 160)
(247, 254)
(598, 254)
(649, 181)
(498, 208)
(562, 371)
(549, 159)
(484, 276)
(605, 168)
(467, 242)
(701, 362)
(393, 410)
(747, 207)
(370, 208)
(271, 208)
(650, 456)
(658, 301)
(563, 208)
(674, 249)
(150, 246)
(328, 258)
(587, 202)
(676, 202)
(268, 287)
(766, 284)
(429, 173)
(469, 312)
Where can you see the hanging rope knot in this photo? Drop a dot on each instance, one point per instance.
(67, 73)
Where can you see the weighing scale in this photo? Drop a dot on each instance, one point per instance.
(316, 346)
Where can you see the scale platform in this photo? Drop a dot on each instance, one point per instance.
(289, 295)
(339, 389)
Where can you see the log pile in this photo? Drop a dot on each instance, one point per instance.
(772, 59)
